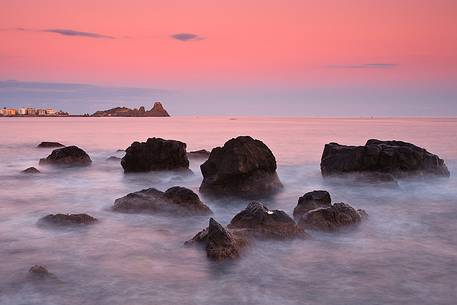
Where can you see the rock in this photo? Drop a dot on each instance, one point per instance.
(31, 170)
(70, 155)
(67, 219)
(50, 145)
(199, 154)
(155, 154)
(39, 271)
(333, 218)
(156, 111)
(113, 158)
(311, 201)
(261, 222)
(219, 242)
(242, 167)
(174, 201)
(394, 157)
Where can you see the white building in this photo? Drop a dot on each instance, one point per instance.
(22, 111)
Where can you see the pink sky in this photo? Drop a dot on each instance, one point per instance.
(244, 44)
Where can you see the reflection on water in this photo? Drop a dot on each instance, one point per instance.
(405, 253)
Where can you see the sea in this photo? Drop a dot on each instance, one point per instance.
(405, 252)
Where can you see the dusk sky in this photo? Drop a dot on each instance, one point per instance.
(258, 57)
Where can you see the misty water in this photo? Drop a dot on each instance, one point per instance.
(404, 253)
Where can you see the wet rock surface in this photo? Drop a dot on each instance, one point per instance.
(219, 242)
(395, 157)
(261, 222)
(242, 167)
(50, 145)
(199, 154)
(155, 154)
(31, 170)
(67, 156)
(174, 201)
(333, 218)
(67, 219)
(312, 200)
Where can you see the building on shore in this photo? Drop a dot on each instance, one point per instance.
(31, 112)
(22, 111)
(51, 111)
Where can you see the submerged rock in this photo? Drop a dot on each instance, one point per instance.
(259, 221)
(39, 271)
(31, 170)
(219, 242)
(113, 158)
(242, 167)
(50, 145)
(394, 157)
(67, 219)
(312, 200)
(155, 154)
(175, 201)
(333, 218)
(69, 156)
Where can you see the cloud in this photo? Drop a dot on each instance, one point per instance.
(365, 66)
(69, 32)
(187, 37)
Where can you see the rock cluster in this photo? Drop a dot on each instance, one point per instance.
(50, 145)
(242, 167)
(395, 157)
(312, 200)
(31, 170)
(174, 201)
(156, 111)
(155, 154)
(69, 156)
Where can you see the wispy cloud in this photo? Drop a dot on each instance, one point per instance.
(64, 32)
(364, 66)
(69, 32)
(187, 37)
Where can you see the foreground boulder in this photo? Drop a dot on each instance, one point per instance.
(50, 145)
(258, 221)
(39, 272)
(312, 200)
(67, 219)
(333, 218)
(155, 154)
(395, 157)
(69, 156)
(31, 170)
(242, 167)
(175, 201)
(219, 242)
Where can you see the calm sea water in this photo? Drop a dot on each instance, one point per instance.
(405, 253)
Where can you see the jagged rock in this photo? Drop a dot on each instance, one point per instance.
(219, 242)
(67, 219)
(242, 167)
(333, 218)
(70, 155)
(395, 157)
(113, 158)
(31, 170)
(261, 222)
(155, 154)
(156, 111)
(312, 200)
(174, 201)
(50, 145)
(199, 154)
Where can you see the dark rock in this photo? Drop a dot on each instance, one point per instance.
(219, 242)
(338, 216)
(31, 170)
(40, 272)
(113, 158)
(155, 154)
(156, 111)
(50, 145)
(199, 154)
(394, 157)
(70, 155)
(311, 201)
(242, 167)
(120, 150)
(67, 219)
(261, 222)
(175, 201)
